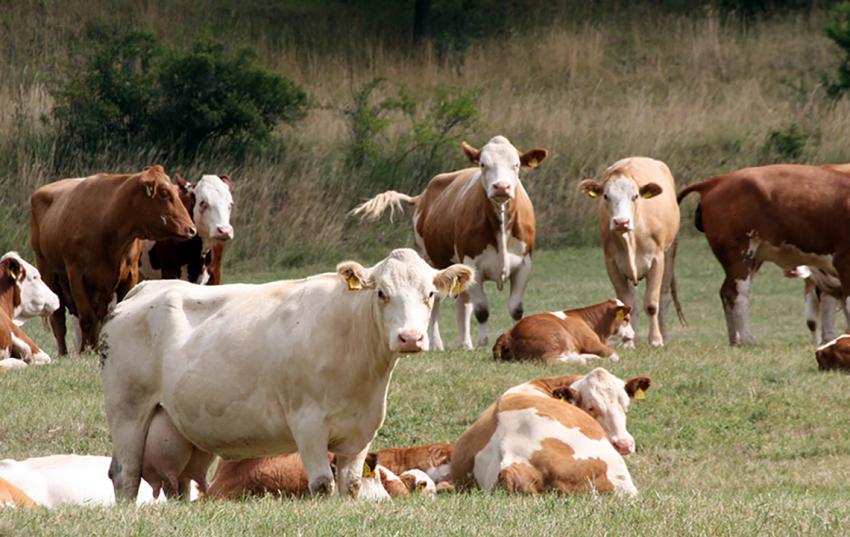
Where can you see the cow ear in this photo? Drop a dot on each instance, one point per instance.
(184, 185)
(650, 190)
(636, 386)
(565, 393)
(148, 183)
(622, 311)
(354, 275)
(454, 280)
(13, 269)
(590, 188)
(533, 157)
(370, 464)
(227, 180)
(471, 153)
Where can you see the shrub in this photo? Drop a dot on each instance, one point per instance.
(838, 30)
(785, 144)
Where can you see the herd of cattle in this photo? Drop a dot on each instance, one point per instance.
(316, 355)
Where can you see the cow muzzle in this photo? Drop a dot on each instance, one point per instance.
(621, 224)
(223, 233)
(624, 446)
(410, 341)
(501, 192)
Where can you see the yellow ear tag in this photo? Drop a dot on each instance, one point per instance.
(646, 195)
(562, 398)
(591, 193)
(149, 190)
(13, 274)
(533, 163)
(621, 315)
(640, 394)
(456, 288)
(367, 471)
(354, 283)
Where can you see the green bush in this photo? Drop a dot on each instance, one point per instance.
(131, 91)
(838, 30)
(784, 145)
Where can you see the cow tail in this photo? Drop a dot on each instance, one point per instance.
(674, 292)
(375, 207)
(699, 186)
(502, 348)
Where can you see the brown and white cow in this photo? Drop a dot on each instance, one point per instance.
(12, 496)
(197, 260)
(85, 233)
(16, 348)
(788, 214)
(835, 354)
(821, 299)
(433, 459)
(638, 224)
(481, 217)
(561, 434)
(575, 335)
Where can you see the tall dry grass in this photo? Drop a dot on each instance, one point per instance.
(699, 93)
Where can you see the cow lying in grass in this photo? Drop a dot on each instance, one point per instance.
(835, 354)
(568, 336)
(558, 434)
(16, 348)
(37, 300)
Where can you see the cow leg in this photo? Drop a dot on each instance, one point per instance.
(735, 295)
(129, 430)
(651, 299)
(349, 471)
(666, 296)
(828, 305)
(464, 319)
(812, 311)
(57, 326)
(482, 311)
(311, 438)
(434, 327)
(519, 281)
(85, 309)
(625, 291)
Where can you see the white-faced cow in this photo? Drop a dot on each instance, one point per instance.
(37, 300)
(481, 217)
(86, 236)
(562, 434)
(16, 348)
(253, 370)
(197, 260)
(638, 223)
(788, 214)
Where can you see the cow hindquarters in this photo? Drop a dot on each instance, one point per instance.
(519, 281)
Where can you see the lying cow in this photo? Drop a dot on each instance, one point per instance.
(638, 224)
(575, 335)
(308, 360)
(433, 459)
(560, 434)
(16, 348)
(197, 260)
(12, 496)
(481, 217)
(834, 354)
(85, 233)
(821, 297)
(58, 480)
(37, 300)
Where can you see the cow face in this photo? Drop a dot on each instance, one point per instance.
(402, 289)
(12, 273)
(213, 204)
(500, 162)
(620, 318)
(37, 299)
(164, 215)
(620, 195)
(607, 398)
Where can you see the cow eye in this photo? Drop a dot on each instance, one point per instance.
(164, 194)
(431, 294)
(382, 295)
(605, 196)
(203, 206)
(634, 198)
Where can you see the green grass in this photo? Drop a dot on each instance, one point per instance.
(736, 442)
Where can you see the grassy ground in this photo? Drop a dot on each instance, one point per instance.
(730, 441)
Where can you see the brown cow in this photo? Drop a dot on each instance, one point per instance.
(638, 224)
(481, 217)
(835, 354)
(85, 233)
(567, 336)
(788, 214)
(16, 348)
(12, 496)
(541, 436)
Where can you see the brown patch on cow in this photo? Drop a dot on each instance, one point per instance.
(395, 487)
(423, 457)
(561, 472)
(835, 356)
(10, 494)
(469, 444)
(280, 475)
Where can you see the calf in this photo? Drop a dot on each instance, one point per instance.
(567, 336)
(834, 354)
(37, 300)
(481, 217)
(788, 214)
(197, 260)
(12, 496)
(638, 224)
(561, 434)
(16, 348)
(821, 298)
(433, 459)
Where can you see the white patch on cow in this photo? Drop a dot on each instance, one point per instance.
(525, 388)
(440, 473)
(833, 342)
(423, 482)
(624, 334)
(77, 329)
(21, 348)
(621, 193)
(372, 490)
(604, 396)
(10, 363)
(558, 314)
(204, 277)
(37, 300)
(470, 182)
(499, 161)
(752, 245)
(619, 303)
(40, 358)
(488, 264)
(520, 433)
(741, 309)
(211, 214)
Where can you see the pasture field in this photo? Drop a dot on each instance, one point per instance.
(750, 441)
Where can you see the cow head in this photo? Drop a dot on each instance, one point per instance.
(500, 162)
(12, 274)
(164, 216)
(213, 204)
(616, 323)
(402, 289)
(620, 194)
(607, 398)
(37, 299)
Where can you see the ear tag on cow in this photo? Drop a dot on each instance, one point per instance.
(13, 274)
(456, 288)
(640, 394)
(621, 315)
(591, 193)
(150, 190)
(533, 163)
(367, 470)
(354, 283)
(562, 397)
(646, 195)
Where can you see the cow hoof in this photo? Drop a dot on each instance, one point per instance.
(40, 358)
(322, 486)
(437, 346)
(516, 314)
(354, 488)
(657, 343)
(483, 342)
(467, 346)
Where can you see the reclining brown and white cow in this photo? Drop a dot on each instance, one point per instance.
(560, 434)
(16, 348)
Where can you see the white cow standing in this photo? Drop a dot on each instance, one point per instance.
(252, 370)
(37, 300)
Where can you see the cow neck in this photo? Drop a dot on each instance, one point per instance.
(549, 384)
(10, 296)
(124, 230)
(382, 361)
(595, 317)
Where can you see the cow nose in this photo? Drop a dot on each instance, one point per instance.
(411, 341)
(501, 190)
(191, 231)
(622, 222)
(624, 447)
(224, 233)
